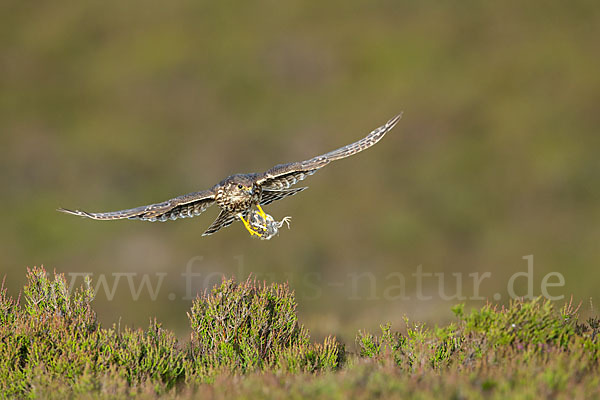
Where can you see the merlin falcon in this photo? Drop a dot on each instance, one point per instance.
(237, 195)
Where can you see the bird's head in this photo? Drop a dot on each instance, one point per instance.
(239, 186)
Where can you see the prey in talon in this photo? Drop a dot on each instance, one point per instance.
(264, 225)
(237, 195)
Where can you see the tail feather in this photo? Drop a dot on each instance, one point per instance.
(224, 219)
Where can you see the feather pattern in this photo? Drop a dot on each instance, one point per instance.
(282, 176)
(224, 219)
(186, 206)
(269, 196)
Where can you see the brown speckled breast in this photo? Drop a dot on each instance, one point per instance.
(233, 204)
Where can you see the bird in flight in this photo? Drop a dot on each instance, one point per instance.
(237, 194)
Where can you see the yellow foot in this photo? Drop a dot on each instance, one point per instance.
(248, 227)
(261, 212)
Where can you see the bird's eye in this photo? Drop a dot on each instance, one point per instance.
(240, 186)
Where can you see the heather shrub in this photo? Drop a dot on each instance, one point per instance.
(246, 326)
(312, 357)
(247, 342)
(419, 347)
(8, 307)
(54, 333)
(52, 344)
(530, 328)
(47, 299)
(533, 322)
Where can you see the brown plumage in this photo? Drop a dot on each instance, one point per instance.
(237, 194)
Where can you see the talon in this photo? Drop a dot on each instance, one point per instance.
(248, 227)
(261, 212)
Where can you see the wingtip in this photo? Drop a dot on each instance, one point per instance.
(392, 122)
(73, 212)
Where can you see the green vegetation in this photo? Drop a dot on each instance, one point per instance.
(246, 341)
(244, 327)
(53, 344)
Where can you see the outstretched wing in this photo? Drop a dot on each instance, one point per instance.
(186, 206)
(283, 176)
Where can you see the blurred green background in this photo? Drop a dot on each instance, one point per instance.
(111, 105)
